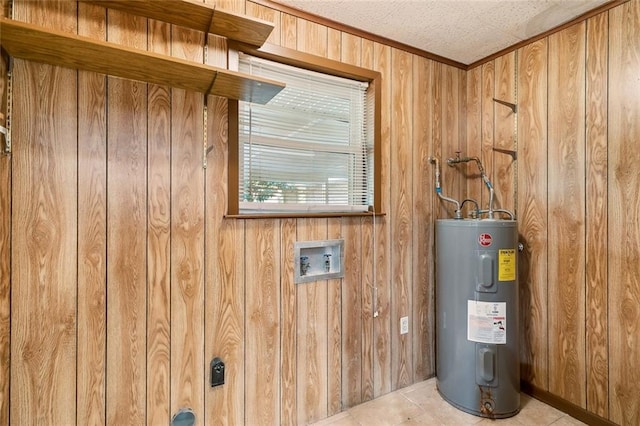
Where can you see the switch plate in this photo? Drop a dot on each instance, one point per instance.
(404, 325)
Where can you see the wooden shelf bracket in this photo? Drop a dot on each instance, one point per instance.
(510, 152)
(513, 107)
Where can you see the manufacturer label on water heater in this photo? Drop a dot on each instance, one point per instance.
(507, 265)
(487, 322)
(485, 239)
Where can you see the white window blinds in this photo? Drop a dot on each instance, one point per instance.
(310, 147)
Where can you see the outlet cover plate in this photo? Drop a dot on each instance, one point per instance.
(404, 325)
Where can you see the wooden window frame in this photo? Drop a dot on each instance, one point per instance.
(313, 63)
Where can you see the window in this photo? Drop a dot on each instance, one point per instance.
(311, 149)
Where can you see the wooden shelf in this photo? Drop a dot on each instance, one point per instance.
(34, 43)
(197, 16)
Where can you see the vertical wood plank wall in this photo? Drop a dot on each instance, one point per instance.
(44, 236)
(623, 214)
(92, 230)
(5, 247)
(566, 212)
(121, 278)
(532, 212)
(596, 250)
(126, 232)
(577, 205)
(159, 156)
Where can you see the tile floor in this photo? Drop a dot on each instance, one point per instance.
(420, 404)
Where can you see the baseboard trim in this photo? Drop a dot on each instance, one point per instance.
(565, 406)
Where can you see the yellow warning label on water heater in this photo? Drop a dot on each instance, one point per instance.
(507, 265)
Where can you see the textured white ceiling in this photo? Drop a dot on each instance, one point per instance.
(462, 30)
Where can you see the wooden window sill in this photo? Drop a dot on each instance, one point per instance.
(289, 215)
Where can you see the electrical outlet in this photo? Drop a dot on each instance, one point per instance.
(404, 325)
(217, 372)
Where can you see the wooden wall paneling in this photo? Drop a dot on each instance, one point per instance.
(289, 363)
(92, 229)
(187, 234)
(43, 358)
(452, 178)
(44, 233)
(474, 186)
(422, 322)
(235, 6)
(311, 330)
(367, 54)
(382, 322)
(488, 124)
(351, 53)
(597, 363)
(313, 325)
(5, 251)
(288, 31)
(532, 215)
(267, 14)
(263, 316)
(453, 136)
(334, 330)
(126, 232)
(444, 209)
(368, 282)
(159, 237)
(401, 217)
(352, 319)
(357, 329)
(334, 44)
(224, 257)
(381, 309)
(440, 207)
(461, 119)
(5, 258)
(5, 293)
(136, 335)
(225, 290)
(311, 37)
(623, 216)
(366, 49)
(351, 49)
(566, 196)
(503, 173)
(5, 248)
